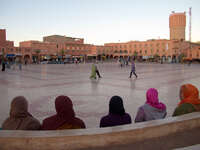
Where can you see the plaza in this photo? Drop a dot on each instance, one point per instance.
(41, 84)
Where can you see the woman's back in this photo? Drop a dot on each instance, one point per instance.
(115, 120)
(147, 112)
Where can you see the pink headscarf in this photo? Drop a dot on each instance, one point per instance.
(152, 99)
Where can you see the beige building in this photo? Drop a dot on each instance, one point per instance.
(177, 23)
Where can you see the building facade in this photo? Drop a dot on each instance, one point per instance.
(60, 47)
(177, 24)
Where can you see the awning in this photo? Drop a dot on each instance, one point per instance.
(67, 56)
(10, 55)
(91, 55)
(18, 54)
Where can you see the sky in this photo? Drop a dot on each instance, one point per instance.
(97, 21)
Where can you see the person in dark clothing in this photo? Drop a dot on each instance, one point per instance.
(3, 65)
(97, 71)
(117, 115)
(64, 118)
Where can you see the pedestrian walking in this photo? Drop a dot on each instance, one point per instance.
(133, 69)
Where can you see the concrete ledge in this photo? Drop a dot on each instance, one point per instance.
(97, 137)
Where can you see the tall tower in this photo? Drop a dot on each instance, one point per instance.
(177, 23)
(2, 35)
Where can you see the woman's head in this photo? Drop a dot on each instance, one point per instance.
(19, 107)
(116, 106)
(64, 107)
(152, 99)
(188, 91)
(152, 96)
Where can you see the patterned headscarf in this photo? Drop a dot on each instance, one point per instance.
(152, 99)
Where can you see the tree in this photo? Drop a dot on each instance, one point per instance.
(62, 53)
(156, 57)
(181, 57)
(37, 51)
(135, 54)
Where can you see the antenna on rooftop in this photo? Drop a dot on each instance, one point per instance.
(190, 23)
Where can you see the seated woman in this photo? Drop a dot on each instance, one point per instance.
(190, 102)
(117, 115)
(65, 117)
(152, 109)
(20, 118)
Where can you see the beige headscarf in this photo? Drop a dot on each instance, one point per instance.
(20, 118)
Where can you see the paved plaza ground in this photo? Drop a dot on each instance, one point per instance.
(41, 84)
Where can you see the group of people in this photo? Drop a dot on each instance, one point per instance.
(8, 64)
(65, 118)
(96, 71)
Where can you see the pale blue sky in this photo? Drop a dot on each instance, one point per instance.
(97, 21)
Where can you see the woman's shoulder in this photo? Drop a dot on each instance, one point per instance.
(79, 122)
(33, 123)
(184, 109)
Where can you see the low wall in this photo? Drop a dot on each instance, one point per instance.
(96, 137)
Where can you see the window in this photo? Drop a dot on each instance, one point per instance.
(129, 46)
(135, 45)
(157, 50)
(145, 51)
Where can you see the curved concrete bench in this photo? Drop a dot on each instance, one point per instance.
(96, 137)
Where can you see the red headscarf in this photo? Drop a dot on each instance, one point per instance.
(190, 94)
(65, 114)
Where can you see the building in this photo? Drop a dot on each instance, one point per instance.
(59, 47)
(62, 39)
(3, 41)
(177, 24)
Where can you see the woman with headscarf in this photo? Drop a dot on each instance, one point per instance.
(117, 115)
(20, 118)
(152, 109)
(93, 72)
(190, 102)
(65, 117)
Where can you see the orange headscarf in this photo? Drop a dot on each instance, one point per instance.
(190, 94)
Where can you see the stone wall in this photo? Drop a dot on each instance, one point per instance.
(97, 138)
